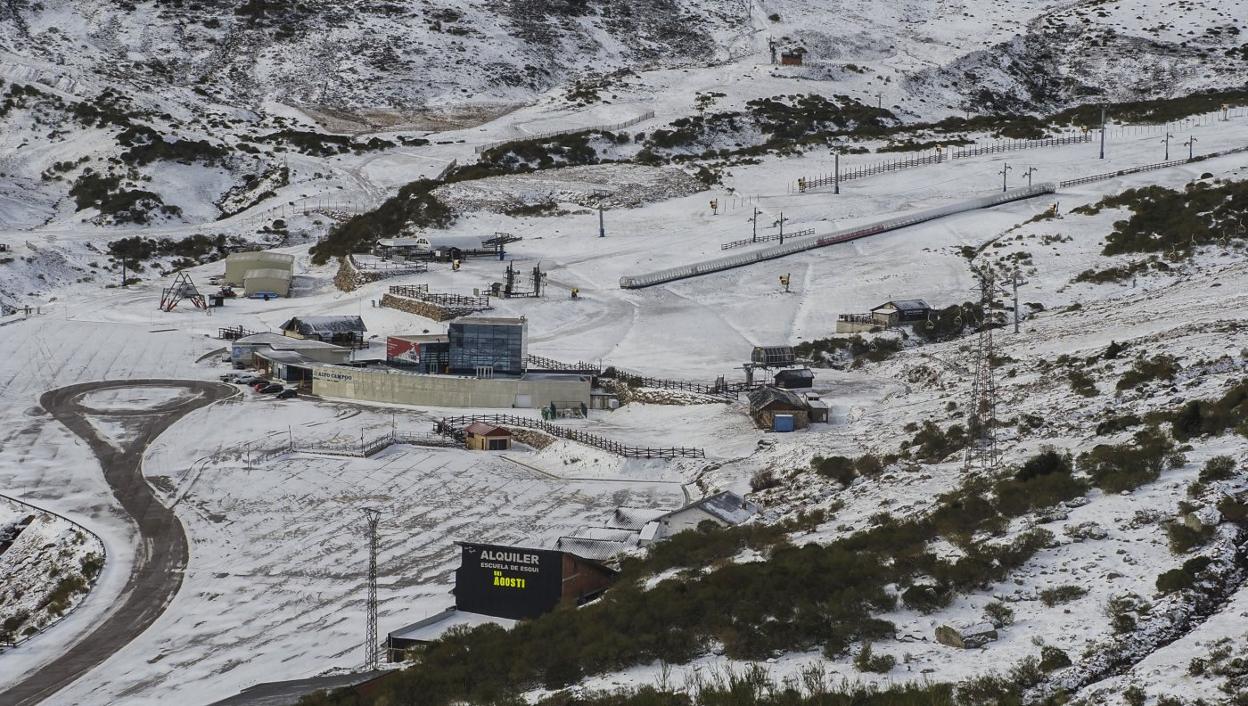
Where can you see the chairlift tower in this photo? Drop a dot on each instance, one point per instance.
(182, 288)
(372, 648)
(981, 449)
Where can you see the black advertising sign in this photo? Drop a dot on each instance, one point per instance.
(508, 582)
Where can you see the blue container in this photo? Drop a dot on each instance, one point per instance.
(784, 422)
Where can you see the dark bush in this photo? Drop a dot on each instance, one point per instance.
(1218, 468)
(1161, 367)
(1119, 467)
(838, 468)
(1199, 418)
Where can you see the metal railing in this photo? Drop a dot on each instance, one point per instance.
(454, 427)
(1149, 167)
(766, 239)
(841, 236)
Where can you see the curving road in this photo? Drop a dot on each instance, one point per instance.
(157, 572)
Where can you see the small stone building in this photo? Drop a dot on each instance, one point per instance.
(768, 401)
(487, 437)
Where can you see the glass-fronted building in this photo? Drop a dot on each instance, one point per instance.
(488, 342)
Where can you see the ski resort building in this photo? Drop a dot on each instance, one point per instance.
(339, 330)
(260, 273)
(902, 311)
(245, 351)
(483, 343)
(395, 386)
(886, 315)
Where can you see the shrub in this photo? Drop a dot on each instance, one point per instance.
(1217, 468)
(1119, 467)
(1115, 424)
(935, 445)
(1199, 417)
(1183, 538)
(1161, 367)
(1134, 695)
(1164, 220)
(869, 465)
(838, 468)
(1044, 480)
(1082, 383)
(867, 661)
(924, 598)
(1061, 594)
(1175, 580)
(1051, 659)
(999, 614)
(764, 480)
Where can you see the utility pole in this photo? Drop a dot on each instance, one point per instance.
(1102, 131)
(836, 174)
(782, 227)
(879, 101)
(372, 647)
(602, 229)
(1029, 172)
(754, 223)
(1005, 170)
(1015, 282)
(1191, 146)
(1167, 142)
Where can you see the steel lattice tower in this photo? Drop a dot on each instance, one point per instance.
(981, 448)
(372, 647)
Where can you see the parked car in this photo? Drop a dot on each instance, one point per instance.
(245, 379)
(287, 393)
(270, 389)
(259, 384)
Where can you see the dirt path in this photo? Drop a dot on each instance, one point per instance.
(157, 572)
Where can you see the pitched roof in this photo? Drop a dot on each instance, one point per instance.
(590, 548)
(324, 325)
(905, 305)
(483, 429)
(768, 395)
(725, 505)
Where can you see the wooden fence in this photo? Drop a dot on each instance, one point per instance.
(454, 427)
(1015, 145)
(538, 362)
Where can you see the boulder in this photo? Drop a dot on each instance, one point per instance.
(966, 638)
